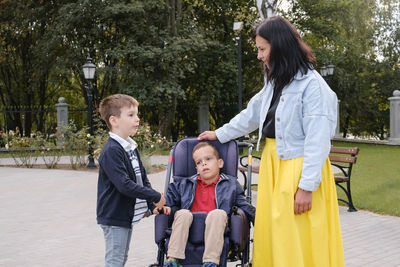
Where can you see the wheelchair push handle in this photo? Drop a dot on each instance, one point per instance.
(245, 144)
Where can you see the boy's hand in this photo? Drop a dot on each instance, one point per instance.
(207, 135)
(302, 201)
(160, 203)
(166, 210)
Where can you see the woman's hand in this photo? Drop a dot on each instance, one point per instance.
(302, 201)
(207, 135)
(166, 210)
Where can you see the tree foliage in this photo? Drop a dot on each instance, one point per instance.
(169, 54)
(26, 59)
(347, 34)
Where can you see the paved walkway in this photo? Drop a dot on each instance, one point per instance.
(47, 218)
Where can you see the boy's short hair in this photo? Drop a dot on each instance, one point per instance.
(111, 106)
(204, 144)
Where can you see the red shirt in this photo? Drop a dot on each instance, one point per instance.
(204, 198)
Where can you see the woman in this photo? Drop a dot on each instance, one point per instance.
(297, 218)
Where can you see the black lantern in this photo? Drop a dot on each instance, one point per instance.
(330, 69)
(89, 69)
(327, 72)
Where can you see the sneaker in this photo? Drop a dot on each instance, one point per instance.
(209, 264)
(172, 263)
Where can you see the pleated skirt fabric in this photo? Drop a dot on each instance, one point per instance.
(283, 239)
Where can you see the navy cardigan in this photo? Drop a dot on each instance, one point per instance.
(117, 189)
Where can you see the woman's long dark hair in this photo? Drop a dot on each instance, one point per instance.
(288, 54)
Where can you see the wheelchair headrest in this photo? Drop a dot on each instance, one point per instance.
(183, 164)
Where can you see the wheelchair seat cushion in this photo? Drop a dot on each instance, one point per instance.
(196, 232)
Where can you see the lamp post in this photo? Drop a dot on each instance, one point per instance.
(327, 73)
(237, 27)
(89, 70)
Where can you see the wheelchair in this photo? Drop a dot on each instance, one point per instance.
(237, 233)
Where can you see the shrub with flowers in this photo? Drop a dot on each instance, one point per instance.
(100, 136)
(3, 139)
(22, 151)
(26, 150)
(75, 143)
(149, 142)
(50, 151)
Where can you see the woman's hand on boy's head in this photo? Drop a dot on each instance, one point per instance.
(207, 135)
(166, 210)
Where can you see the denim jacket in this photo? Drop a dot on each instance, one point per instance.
(305, 121)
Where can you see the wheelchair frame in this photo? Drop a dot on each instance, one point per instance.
(235, 253)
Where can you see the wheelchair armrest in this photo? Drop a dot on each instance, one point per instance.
(161, 225)
(240, 229)
(196, 232)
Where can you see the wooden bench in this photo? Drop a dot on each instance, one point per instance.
(342, 158)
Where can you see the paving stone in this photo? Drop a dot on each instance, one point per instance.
(48, 218)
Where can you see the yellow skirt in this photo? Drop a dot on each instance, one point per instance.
(282, 238)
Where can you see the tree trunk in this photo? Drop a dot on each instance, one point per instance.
(346, 126)
(203, 121)
(28, 116)
(42, 99)
(166, 118)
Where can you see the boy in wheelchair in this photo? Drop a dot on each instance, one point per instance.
(210, 192)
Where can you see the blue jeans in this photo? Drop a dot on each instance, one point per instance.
(117, 245)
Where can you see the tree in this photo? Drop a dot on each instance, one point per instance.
(215, 70)
(385, 72)
(341, 32)
(22, 84)
(170, 54)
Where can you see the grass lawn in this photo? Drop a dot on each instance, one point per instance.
(375, 179)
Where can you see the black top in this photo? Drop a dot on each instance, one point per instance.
(269, 123)
(117, 189)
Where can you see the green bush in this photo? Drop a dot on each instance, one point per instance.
(148, 142)
(49, 150)
(22, 151)
(75, 143)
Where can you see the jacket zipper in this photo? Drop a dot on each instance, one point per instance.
(193, 192)
(215, 191)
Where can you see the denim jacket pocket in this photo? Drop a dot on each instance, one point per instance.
(293, 128)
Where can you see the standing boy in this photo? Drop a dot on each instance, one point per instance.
(124, 194)
(207, 191)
